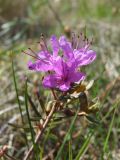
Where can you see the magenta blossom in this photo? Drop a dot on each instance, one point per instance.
(63, 77)
(63, 61)
(46, 59)
(78, 50)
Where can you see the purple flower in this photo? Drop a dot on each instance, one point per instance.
(63, 77)
(63, 61)
(78, 51)
(45, 59)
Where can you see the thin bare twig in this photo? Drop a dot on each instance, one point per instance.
(54, 95)
(38, 137)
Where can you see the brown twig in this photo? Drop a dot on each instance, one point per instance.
(38, 137)
(53, 93)
(3, 150)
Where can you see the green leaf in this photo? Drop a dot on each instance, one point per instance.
(70, 150)
(109, 131)
(92, 119)
(84, 147)
(33, 106)
(30, 124)
(27, 111)
(16, 89)
(66, 137)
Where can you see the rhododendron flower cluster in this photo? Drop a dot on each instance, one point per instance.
(62, 63)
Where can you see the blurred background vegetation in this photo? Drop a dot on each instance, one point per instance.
(21, 23)
(21, 20)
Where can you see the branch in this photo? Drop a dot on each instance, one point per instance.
(38, 137)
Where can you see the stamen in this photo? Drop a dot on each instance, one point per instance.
(36, 57)
(30, 54)
(85, 38)
(32, 51)
(42, 46)
(42, 78)
(91, 42)
(72, 37)
(43, 43)
(78, 42)
(42, 35)
(74, 41)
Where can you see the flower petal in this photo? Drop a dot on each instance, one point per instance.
(59, 66)
(50, 81)
(77, 76)
(88, 58)
(40, 66)
(44, 55)
(55, 45)
(31, 65)
(64, 87)
(84, 58)
(66, 47)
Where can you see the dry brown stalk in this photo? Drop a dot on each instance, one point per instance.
(39, 135)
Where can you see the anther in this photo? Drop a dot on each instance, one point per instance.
(29, 54)
(43, 43)
(32, 51)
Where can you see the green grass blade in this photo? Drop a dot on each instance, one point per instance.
(66, 138)
(20, 108)
(30, 125)
(110, 110)
(28, 116)
(16, 89)
(33, 106)
(84, 147)
(70, 150)
(109, 131)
